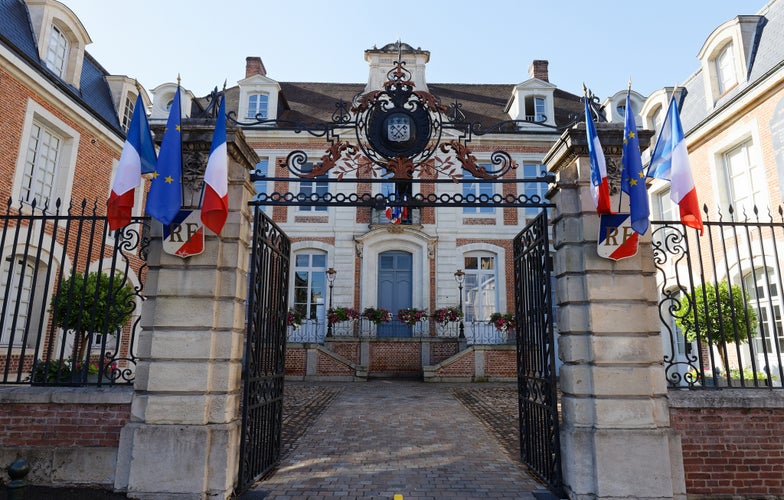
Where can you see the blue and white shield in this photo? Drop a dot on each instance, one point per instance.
(399, 128)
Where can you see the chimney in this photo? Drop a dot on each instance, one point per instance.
(254, 66)
(538, 69)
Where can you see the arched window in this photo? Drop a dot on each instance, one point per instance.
(17, 291)
(765, 299)
(480, 295)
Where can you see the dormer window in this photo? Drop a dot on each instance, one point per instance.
(130, 102)
(535, 109)
(724, 65)
(60, 37)
(258, 105)
(57, 52)
(726, 57)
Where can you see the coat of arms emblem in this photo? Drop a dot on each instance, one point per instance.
(398, 128)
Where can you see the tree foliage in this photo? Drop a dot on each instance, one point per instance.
(95, 304)
(723, 317)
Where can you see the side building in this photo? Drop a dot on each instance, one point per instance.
(64, 119)
(732, 112)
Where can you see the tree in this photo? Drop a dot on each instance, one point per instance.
(97, 304)
(721, 320)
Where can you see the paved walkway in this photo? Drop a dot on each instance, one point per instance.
(381, 438)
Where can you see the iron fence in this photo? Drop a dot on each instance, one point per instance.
(71, 294)
(720, 301)
(476, 332)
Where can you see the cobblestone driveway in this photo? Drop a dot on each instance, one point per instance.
(376, 439)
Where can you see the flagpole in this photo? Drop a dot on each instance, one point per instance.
(628, 93)
(669, 102)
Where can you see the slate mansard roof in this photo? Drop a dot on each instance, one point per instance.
(767, 55)
(16, 33)
(312, 102)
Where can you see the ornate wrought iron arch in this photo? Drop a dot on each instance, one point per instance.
(397, 131)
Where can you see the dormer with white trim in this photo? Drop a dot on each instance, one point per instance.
(727, 55)
(258, 93)
(653, 112)
(61, 38)
(382, 61)
(162, 98)
(125, 90)
(532, 100)
(616, 105)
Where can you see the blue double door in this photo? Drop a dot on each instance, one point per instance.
(395, 290)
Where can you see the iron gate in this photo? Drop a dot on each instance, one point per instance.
(265, 351)
(540, 446)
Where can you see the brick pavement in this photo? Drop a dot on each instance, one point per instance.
(387, 437)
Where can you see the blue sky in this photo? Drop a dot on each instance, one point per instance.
(602, 42)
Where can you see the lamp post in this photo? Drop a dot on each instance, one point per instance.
(460, 278)
(331, 279)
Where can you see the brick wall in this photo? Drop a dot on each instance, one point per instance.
(67, 435)
(65, 424)
(295, 360)
(329, 366)
(463, 366)
(349, 350)
(501, 363)
(403, 358)
(441, 351)
(732, 441)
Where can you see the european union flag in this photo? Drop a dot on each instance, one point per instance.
(632, 176)
(165, 197)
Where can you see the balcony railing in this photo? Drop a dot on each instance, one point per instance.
(476, 332)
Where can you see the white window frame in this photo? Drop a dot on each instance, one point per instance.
(25, 308)
(533, 169)
(314, 309)
(263, 167)
(724, 68)
(477, 189)
(130, 103)
(478, 275)
(319, 184)
(258, 105)
(742, 189)
(769, 308)
(64, 174)
(57, 51)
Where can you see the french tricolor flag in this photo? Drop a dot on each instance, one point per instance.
(215, 206)
(670, 161)
(138, 157)
(600, 187)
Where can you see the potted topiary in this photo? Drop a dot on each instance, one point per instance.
(91, 304)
